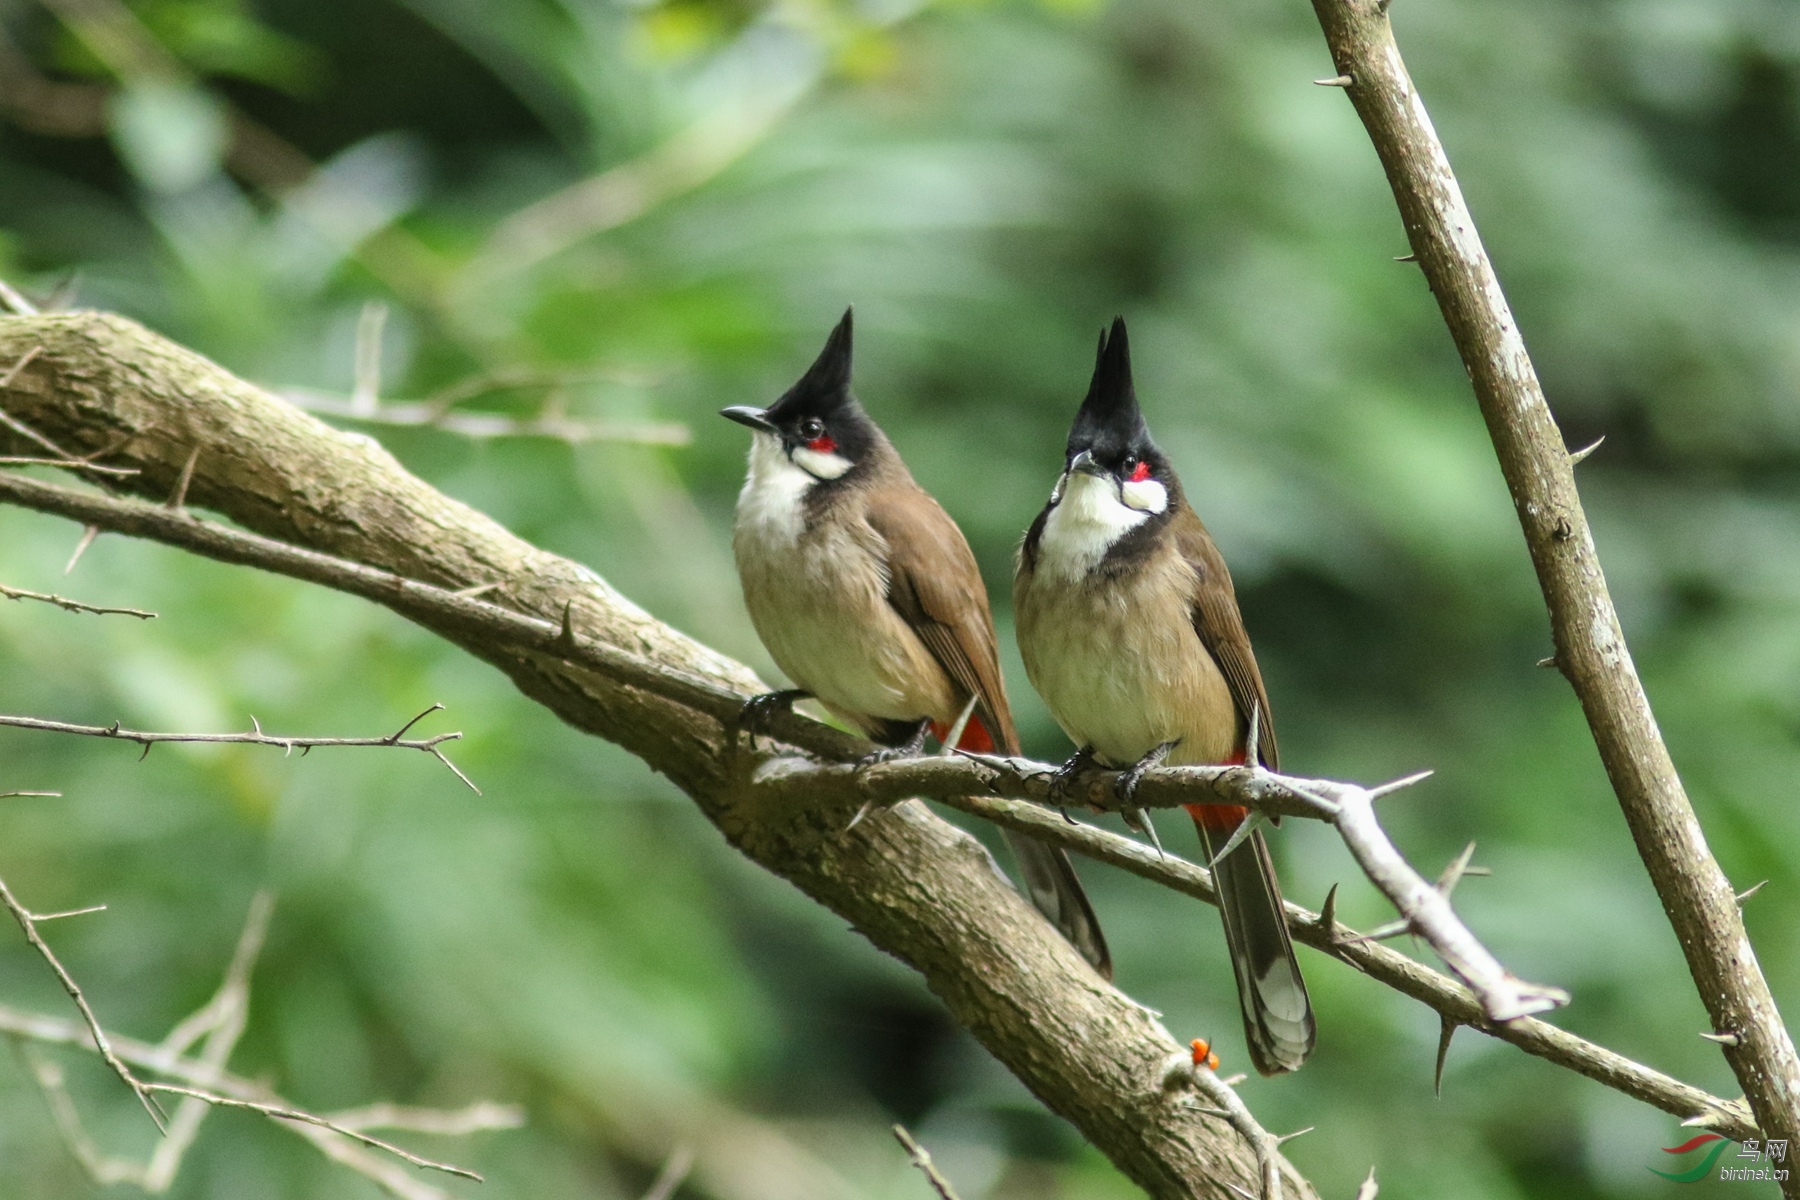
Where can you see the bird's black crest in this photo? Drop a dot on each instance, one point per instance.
(1110, 423)
(825, 388)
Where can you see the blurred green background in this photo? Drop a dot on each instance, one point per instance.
(641, 211)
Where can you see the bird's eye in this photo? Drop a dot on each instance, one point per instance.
(1140, 470)
(811, 428)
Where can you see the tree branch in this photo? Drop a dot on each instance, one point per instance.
(1590, 646)
(914, 885)
(431, 745)
(28, 923)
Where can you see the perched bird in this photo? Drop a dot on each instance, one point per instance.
(866, 594)
(1130, 631)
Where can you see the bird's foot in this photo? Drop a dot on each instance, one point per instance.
(759, 712)
(1062, 783)
(1126, 788)
(912, 747)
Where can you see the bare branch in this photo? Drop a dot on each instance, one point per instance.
(922, 1160)
(283, 1112)
(1590, 645)
(147, 739)
(28, 923)
(476, 1118)
(74, 606)
(416, 413)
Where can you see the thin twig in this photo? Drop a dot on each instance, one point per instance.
(1236, 1113)
(147, 739)
(460, 1122)
(74, 606)
(494, 425)
(283, 1112)
(28, 923)
(200, 1076)
(922, 1160)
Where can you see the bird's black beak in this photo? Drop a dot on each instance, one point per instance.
(1084, 464)
(755, 418)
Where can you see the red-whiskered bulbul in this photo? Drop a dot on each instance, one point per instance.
(1131, 633)
(866, 594)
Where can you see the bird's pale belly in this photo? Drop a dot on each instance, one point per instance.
(820, 607)
(1123, 671)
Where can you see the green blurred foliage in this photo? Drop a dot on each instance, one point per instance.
(987, 182)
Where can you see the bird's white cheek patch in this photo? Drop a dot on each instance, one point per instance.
(1147, 496)
(820, 465)
(1084, 525)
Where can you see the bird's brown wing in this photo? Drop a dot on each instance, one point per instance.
(1278, 1018)
(935, 586)
(1221, 630)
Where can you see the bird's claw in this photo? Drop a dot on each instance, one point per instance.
(1062, 783)
(1126, 788)
(913, 747)
(760, 712)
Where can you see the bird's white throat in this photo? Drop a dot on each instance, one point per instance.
(774, 495)
(1091, 517)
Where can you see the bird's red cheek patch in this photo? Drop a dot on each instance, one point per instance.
(823, 444)
(1140, 472)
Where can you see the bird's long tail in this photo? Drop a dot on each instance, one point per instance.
(1050, 879)
(1278, 1017)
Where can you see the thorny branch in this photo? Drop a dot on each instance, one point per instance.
(1591, 650)
(938, 776)
(1424, 908)
(1455, 1004)
(146, 739)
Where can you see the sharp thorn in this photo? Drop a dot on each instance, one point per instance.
(1406, 258)
(1728, 1038)
(1246, 827)
(1446, 1031)
(867, 807)
(1576, 456)
(1390, 788)
(1328, 913)
(1342, 81)
(1547, 662)
(1751, 891)
(1453, 873)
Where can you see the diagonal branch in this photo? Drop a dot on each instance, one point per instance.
(1590, 645)
(911, 883)
(1454, 1003)
(28, 922)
